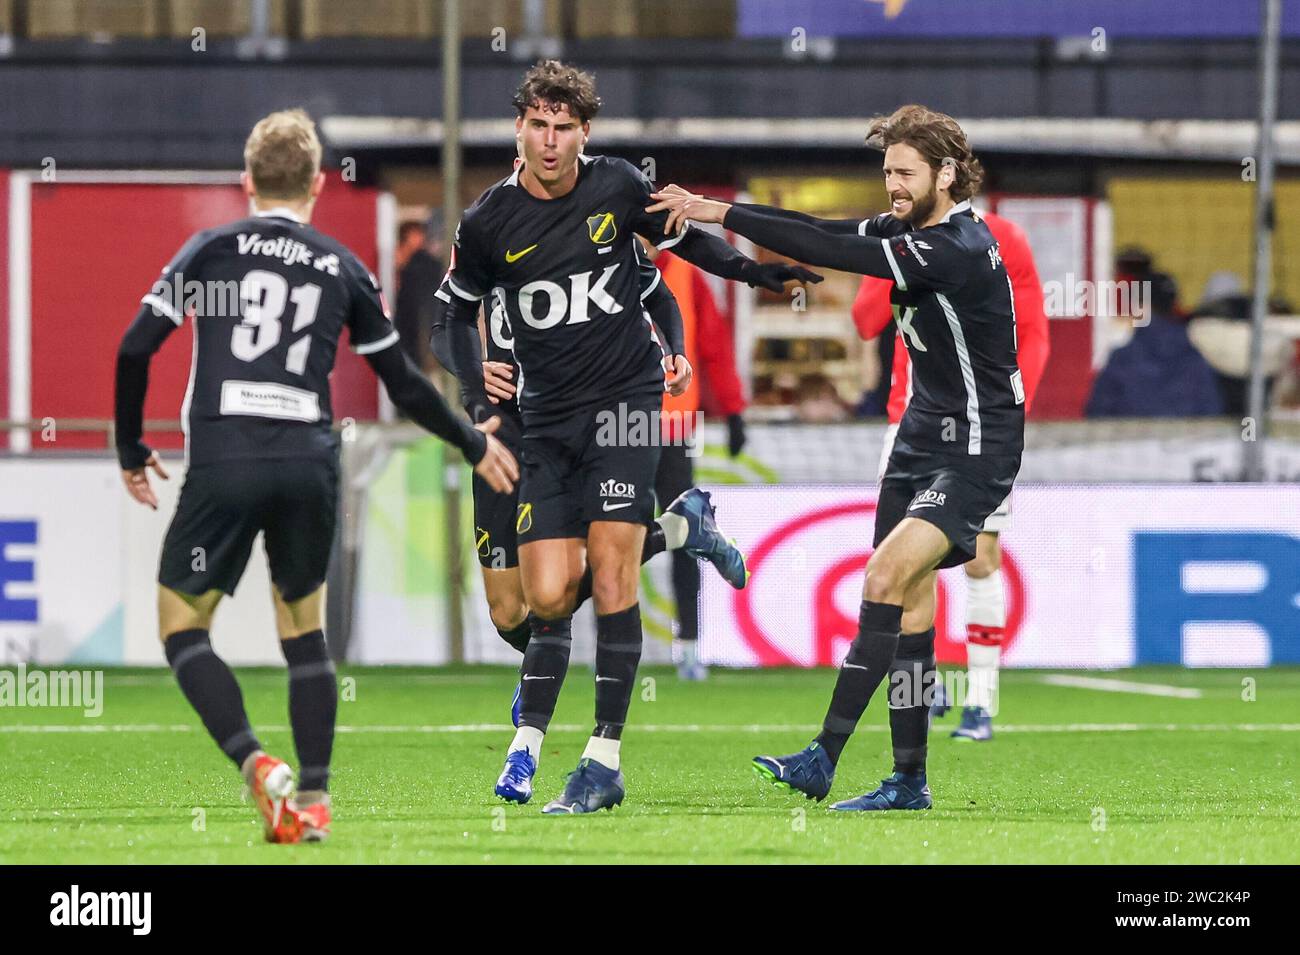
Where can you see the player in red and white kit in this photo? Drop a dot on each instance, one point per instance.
(986, 606)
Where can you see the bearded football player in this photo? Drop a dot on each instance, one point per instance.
(959, 443)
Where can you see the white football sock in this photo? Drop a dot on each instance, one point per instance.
(982, 676)
(603, 751)
(528, 738)
(986, 612)
(986, 601)
(675, 530)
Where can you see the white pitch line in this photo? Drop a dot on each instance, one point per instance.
(1122, 686)
(460, 728)
(434, 679)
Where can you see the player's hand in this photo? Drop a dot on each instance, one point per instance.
(498, 466)
(773, 275)
(679, 375)
(682, 205)
(137, 481)
(498, 380)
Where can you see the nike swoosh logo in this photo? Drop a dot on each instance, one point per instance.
(852, 666)
(917, 507)
(614, 507)
(527, 677)
(516, 256)
(608, 679)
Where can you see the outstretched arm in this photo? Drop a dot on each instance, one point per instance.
(718, 256)
(836, 226)
(848, 252)
(415, 395)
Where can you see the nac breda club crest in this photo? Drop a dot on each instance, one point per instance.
(601, 228)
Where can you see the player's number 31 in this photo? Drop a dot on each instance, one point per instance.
(263, 296)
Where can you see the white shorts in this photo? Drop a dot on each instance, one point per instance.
(997, 522)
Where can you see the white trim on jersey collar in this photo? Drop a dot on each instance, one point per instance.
(963, 206)
(279, 212)
(513, 178)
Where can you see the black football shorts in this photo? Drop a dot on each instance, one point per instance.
(954, 492)
(223, 506)
(597, 464)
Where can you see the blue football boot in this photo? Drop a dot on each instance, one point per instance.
(809, 771)
(976, 724)
(703, 539)
(516, 781)
(899, 791)
(591, 787)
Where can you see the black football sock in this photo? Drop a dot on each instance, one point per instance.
(654, 544)
(545, 662)
(517, 636)
(911, 682)
(213, 691)
(865, 666)
(313, 706)
(618, 651)
(686, 588)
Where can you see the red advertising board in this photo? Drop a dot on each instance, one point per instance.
(97, 247)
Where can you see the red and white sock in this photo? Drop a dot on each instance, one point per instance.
(986, 618)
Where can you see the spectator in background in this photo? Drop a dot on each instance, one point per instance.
(818, 402)
(709, 349)
(1220, 329)
(1159, 372)
(418, 276)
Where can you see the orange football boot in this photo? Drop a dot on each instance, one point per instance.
(271, 788)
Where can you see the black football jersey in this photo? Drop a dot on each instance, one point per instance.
(500, 336)
(564, 285)
(953, 306)
(270, 297)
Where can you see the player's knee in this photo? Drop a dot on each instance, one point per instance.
(918, 619)
(507, 612)
(612, 592)
(305, 614)
(551, 602)
(885, 581)
(179, 612)
(984, 565)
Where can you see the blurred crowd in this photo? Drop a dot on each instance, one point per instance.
(1192, 362)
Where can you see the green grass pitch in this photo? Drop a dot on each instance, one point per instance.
(1073, 776)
